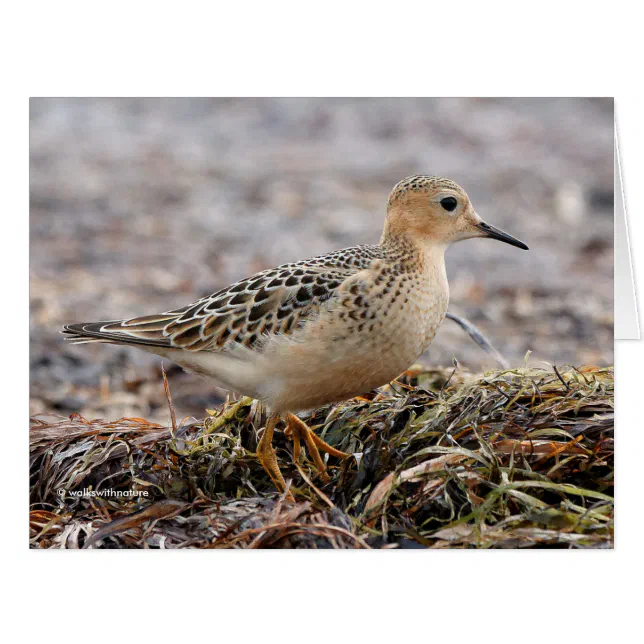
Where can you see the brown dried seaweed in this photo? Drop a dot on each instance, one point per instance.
(513, 458)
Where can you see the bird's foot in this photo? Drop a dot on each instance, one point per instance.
(268, 459)
(299, 431)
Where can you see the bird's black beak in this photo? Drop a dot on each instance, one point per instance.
(495, 233)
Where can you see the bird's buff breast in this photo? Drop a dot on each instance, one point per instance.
(345, 353)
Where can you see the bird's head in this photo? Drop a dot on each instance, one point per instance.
(437, 210)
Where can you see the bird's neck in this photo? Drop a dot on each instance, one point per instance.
(421, 255)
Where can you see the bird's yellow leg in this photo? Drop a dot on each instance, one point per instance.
(298, 429)
(294, 434)
(266, 454)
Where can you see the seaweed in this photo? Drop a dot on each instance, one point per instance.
(441, 458)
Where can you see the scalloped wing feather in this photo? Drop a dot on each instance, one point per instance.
(275, 301)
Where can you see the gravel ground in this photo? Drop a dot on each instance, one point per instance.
(142, 205)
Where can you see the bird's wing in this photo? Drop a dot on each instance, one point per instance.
(275, 301)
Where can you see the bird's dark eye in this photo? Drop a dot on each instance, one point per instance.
(449, 203)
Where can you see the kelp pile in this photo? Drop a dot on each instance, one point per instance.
(441, 459)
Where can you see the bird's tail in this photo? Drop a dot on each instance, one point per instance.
(145, 331)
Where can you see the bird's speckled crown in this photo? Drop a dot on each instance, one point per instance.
(420, 182)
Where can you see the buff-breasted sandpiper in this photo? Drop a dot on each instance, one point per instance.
(324, 329)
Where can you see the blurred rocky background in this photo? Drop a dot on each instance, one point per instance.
(142, 205)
